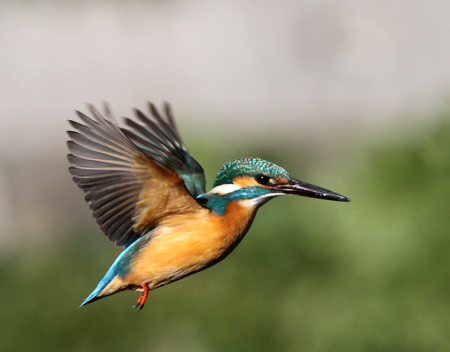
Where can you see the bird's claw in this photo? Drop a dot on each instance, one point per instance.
(138, 305)
(142, 298)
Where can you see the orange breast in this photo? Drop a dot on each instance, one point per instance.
(185, 243)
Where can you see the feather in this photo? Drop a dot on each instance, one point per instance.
(158, 138)
(130, 178)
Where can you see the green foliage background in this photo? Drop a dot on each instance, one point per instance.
(311, 275)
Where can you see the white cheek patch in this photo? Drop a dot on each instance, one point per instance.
(224, 189)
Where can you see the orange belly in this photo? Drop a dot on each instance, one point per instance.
(184, 244)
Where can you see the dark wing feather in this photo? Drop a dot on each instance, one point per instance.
(133, 180)
(104, 167)
(158, 138)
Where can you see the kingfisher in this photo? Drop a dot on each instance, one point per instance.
(147, 194)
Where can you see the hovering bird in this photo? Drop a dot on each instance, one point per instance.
(148, 195)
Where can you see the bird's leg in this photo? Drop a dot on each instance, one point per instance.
(141, 300)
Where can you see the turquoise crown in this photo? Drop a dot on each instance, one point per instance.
(248, 167)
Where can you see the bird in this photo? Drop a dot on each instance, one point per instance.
(148, 195)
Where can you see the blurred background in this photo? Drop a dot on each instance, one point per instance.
(351, 96)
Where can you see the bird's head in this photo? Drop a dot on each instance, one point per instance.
(254, 181)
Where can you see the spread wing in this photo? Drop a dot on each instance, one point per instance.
(129, 189)
(159, 139)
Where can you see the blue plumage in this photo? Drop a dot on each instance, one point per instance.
(248, 167)
(120, 267)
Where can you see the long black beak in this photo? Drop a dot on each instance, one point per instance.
(301, 188)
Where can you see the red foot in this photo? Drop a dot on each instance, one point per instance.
(141, 300)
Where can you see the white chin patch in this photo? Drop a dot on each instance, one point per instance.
(256, 202)
(224, 189)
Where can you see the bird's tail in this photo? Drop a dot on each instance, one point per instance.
(113, 281)
(95, 295)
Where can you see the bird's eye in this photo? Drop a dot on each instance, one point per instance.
(262, 179)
